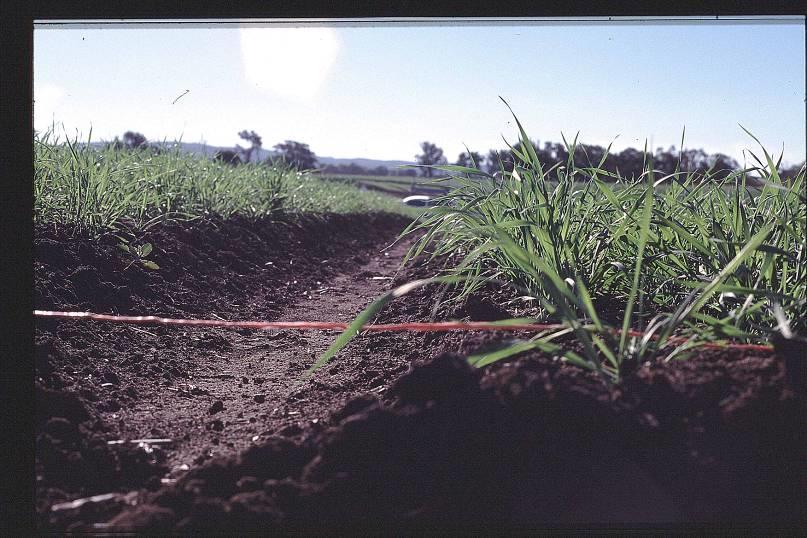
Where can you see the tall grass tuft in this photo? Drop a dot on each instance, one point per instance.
(682, 256)
(96, 190)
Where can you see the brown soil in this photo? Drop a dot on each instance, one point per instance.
(397, 429)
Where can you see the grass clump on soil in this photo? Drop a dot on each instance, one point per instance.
(309, 194)
(94, 190)
(686, 258)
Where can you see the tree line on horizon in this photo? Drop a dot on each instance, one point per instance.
(296, 154)
(629, 162)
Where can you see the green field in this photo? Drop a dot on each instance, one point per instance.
(679, 256)
(97, 190)
(393, 185)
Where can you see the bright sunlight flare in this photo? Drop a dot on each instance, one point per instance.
(289, 62)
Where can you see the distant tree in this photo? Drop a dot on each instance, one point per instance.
(431, 156)
(352, 169)
(468, 159)
(547, 153)
(227, 156)
(592, 155)
(561, 154)
(405, 172)
(492, 161)
(255, 143)
(788, 173)
(134, 140)
(580, 155)
(131, 140)
(379, 171)
(694, 160)
(519, 147)
(630, 163)
(665, 161)
(550, 155)
(297, 155)
(498, 159)
(722, 165)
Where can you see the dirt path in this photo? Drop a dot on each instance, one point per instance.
(254, 387)
(203, 392)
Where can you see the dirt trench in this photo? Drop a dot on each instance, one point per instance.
(197, 394)
(251, 384)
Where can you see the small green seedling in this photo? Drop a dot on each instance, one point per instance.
(139, 253)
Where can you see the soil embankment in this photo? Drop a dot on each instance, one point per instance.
(396, 430)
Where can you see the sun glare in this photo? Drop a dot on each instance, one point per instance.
(290, 62)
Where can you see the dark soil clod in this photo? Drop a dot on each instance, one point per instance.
(217, 425)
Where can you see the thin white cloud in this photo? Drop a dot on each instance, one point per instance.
(290, 62)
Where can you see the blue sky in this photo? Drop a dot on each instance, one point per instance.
(378, 91)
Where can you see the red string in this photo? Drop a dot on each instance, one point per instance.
(442, 326)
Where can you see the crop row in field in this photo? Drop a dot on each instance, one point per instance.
(95, 190)
(392, 186)
(685, 258)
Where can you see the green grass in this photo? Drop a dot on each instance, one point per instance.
(401, 186)
(310, 194)
(391, 180)
(95, 190)
(680, 256)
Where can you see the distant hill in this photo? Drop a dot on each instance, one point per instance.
(364, 163)
(262, 154)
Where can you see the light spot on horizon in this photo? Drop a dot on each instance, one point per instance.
(290, 62)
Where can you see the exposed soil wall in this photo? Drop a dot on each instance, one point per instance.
(397, 431)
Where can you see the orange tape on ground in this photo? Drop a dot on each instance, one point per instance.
(442, 326)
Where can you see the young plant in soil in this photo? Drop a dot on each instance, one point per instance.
(690, 258)
(139, 253)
